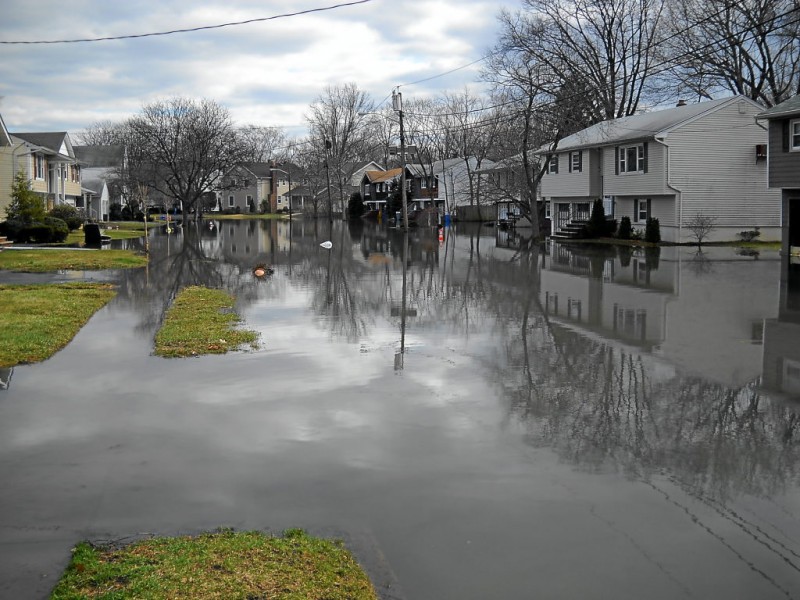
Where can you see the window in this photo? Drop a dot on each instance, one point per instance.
(249, 201)
(608, 206)
(230, 200)
(632, 159)
(423, 182)
(233, 181)
(552, 166)
(246, 183)
(794, 135)
(39, 166)
(576, 162)
(641, 210)
(546, 210)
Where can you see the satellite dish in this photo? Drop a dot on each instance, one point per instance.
(327, 245)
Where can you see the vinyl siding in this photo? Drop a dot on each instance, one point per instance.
(784, 167)
(713, 163)
(6, 179)
(583, 184)
(652, 183)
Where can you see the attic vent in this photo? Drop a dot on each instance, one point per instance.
(761, 151)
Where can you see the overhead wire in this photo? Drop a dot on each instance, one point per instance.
(190, 29)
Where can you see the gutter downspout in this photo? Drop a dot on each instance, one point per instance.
(669, 184)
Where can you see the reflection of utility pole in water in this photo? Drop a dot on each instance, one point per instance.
(399, 356)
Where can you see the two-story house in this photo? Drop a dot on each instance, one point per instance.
(377, 187)
(101, 168)
(704, 160)
(784, 166)
(49, 160)
(245, 187)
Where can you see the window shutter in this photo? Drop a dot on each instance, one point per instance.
(569, 162)
(645, 170)
(616, 160)
(786, 136)
(649, 201)
(580, 160)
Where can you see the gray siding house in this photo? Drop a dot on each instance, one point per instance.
(703, 159)
(784, 166)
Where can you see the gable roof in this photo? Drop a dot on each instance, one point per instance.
(381, 176)
(638, 127)
(789, 108)
(52, 140)
(100, 156)
(5, 138)
(259, 169)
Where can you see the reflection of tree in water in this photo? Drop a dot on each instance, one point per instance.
(700, 264)
(179, 260)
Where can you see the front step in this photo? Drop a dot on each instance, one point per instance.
(4, 242)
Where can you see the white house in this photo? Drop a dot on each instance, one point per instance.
(695, 160)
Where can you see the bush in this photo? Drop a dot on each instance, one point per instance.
(68, 214)
(26, 205)
(115, 212)
(749, 236)
(356, 207)
(652, 231)
(625, 231)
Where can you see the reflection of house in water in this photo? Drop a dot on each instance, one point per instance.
(782, 338)
(707, 322)
(423, 249)
(617, 292)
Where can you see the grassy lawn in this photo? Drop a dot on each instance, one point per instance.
(77, 236)
(38, 320)
(42, 261)
(229, 565)
(200, 321)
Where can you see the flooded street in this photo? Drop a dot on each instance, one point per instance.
(494, 420)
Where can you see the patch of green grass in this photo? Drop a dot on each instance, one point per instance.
(77, 236)
(38, 320)
(41, 261)
(200, 321)
(226, 565)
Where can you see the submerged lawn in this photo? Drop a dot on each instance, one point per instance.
(38, 320)
(201, 321)
(233, 566)
(41, 261)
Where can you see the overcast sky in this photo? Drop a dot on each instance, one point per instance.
(266, 73)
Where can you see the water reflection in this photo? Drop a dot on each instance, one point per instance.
(641, 361)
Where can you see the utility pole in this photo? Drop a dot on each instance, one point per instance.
(397, 105)
(328, 177)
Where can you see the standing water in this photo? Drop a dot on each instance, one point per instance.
(499, 420)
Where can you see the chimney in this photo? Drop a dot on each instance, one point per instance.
(681, 102)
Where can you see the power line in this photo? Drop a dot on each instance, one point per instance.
(191, 29)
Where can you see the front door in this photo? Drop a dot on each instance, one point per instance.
(562, 218)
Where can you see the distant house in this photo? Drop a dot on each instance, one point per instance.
(377, 187)
(422, 186)
(677, 164)
(245, 187)
(460, 182)
(285, 178)
(102, 187)
(353, 173)
(784, 166)
(49, 161)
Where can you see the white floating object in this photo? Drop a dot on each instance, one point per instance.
(327, 245)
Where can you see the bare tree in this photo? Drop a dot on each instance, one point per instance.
(264, 143)
(180, 148)
(102, 133)
(701, 227)
(337, 120)
(747, 47)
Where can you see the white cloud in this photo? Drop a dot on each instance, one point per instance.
(267, 72)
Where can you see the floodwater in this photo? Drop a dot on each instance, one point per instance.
(493, 421)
